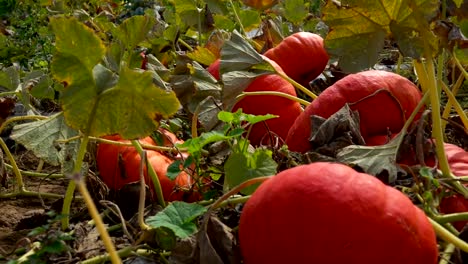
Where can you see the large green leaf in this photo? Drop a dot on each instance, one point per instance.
(296, 11)
(74, 39)
(132, 108)
(134, 30)
(178, 217)
(98, 101)
(358, 29)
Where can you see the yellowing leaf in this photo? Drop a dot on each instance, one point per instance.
(358, 29)
(74, 39)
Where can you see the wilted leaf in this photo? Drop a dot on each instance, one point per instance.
(208, 110)
(185, 251)
(358, 29)
(338, 131)
(216, 242)
(242, 166)
(178, 217)
(238, 55)
(374, 160)
(194, 85)
(3, 173)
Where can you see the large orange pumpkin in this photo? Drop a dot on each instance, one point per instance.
(328, 213)
(286, 109)
(302, 56)
(383, 99)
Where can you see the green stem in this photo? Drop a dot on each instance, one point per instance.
(16, 170)
(448, 106)
(230, 201)
(296, 84)
(456, 105)
(237, 17)
(428, 82)
(114, 257)
(181, 41)
(72, 185)
(460, 66)
(447, 254)
(449, 218)
(122, 253)
(26, 193)
(236, 189)
(448, 237)
(8, 93)
(36, 174)
(399, 62)
(144, 146)
(281, 94)
(20, 118)
(153, 176)
(141, 202)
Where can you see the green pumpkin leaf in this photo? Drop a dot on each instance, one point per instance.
(40, 85)
(295, 11)
(202, 55)
(238, 117)
(374, 159)
(98, 101)
(242, 166)
(134, 100)
(358, 29)
(74, 40)
(178, 217)
(134, 30)
(250, 19)
(9, 78)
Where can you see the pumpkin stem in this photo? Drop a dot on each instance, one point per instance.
(447, 236)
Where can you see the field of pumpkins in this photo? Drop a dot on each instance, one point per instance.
(234, 131)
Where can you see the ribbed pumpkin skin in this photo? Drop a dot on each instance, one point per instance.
(384, 110)
(286, 109)
(302, 56)
(328, 213)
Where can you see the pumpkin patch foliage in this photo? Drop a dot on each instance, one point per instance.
(233, 131)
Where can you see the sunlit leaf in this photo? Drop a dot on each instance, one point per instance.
(134, 100)
(358, 29)
(74, 39)
(202, 55)
(134, 30)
